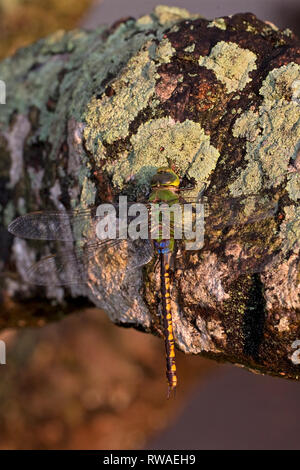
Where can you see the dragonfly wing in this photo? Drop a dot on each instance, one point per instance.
(82, 224)
(238, 212)
(56, 271)
(71, 225)
(67, 267)
(52, 225)
(245, 233)
(75, 266)
(251, 248)
(231, 211)
(226, 212)
(141, 252)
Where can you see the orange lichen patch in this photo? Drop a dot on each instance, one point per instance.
(205, 95)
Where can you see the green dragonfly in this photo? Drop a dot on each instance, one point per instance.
(94, 257)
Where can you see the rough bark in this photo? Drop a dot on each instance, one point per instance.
(90, 115)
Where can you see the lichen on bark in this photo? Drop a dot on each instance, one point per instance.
(90, 115)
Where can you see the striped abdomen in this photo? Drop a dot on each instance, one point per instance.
(165, 256)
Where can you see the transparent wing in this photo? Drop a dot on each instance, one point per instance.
(78, 265)
(81, 224)
(221, 213)
(215, 215)
(248, 248)
(75, 224)
(50, 225)
(59, 225)
(245, 233)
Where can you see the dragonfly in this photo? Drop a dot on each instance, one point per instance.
(94, 257)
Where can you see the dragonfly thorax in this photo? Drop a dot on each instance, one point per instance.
(165, 177)
(164, 195)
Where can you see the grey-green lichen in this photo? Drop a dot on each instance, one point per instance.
(43, 61)
(231, 64)
(95, 122)
(164, 51)
(108, 118)
(293, 186)
(81, 60)
(288, 32)
(251, 29)
(190, 48)
(88, 192)
(282, 83)
(144, 21)
(160, 141)
(61, 42)
(32, 79)
(70, 71)
(272, 140)
(167, 15)
(85, 60)
(218, 23)
(272, 134)
(290, 229)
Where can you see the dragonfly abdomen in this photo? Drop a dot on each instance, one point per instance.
(165, 255)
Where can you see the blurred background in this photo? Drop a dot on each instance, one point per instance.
(83, 383)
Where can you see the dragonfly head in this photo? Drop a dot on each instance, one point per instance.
(165, 176)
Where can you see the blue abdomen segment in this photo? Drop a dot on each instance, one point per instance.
(163, 246)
